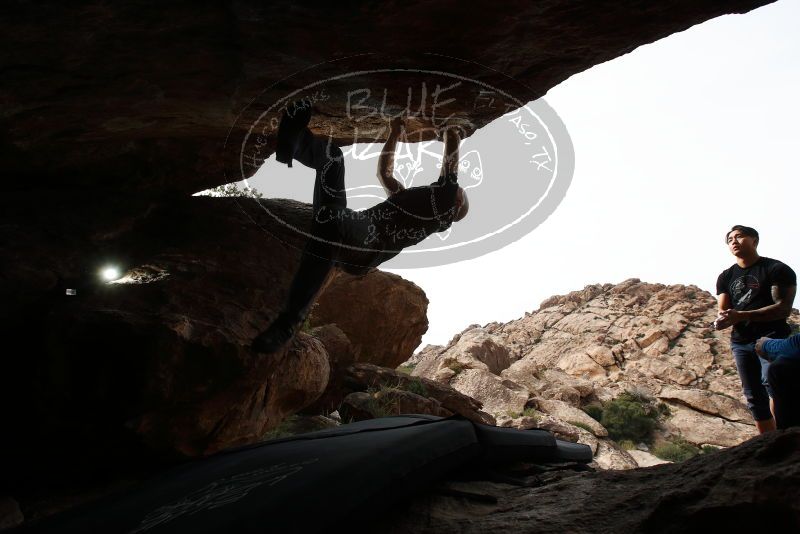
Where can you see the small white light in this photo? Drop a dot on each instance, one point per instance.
(110, 273)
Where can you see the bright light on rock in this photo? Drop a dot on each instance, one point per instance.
(110, 273)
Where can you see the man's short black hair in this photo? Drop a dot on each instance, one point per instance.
(745, 230)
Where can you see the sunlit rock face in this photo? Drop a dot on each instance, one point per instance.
(114, 114)
(591, 346)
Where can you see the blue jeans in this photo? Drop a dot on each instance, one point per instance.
(753, 374)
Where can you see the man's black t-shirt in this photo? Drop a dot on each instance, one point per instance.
(377, 234)
(750, 288)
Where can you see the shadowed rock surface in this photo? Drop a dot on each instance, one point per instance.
(157, 366)
(749, 487)
(149, 95)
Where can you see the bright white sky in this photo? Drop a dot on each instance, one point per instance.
(674, 143)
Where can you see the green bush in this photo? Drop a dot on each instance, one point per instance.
(595, 411)
(406, 369)
(415, 385)
(306, 326)
(629, 417)
(456, 366)
(283, 430)
(707, 449)
(530, 412)
(381, 403)
(676, 450)
(582, 425)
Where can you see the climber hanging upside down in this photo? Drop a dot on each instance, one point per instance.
(357, 241)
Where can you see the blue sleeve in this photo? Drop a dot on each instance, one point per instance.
(783, 348)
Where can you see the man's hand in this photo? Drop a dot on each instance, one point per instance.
(728, 318)
(721, 323)
(760, 347)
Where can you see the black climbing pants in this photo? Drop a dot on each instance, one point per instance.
(320, 251)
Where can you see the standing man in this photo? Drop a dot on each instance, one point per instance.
(755, 297)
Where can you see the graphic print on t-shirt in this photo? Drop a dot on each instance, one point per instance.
(743, 289)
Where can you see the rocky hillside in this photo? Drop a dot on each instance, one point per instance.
(640, 342)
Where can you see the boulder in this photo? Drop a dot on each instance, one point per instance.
(565, 412)
(609, 455)
(473, 349)
(382, 314)
(708, 403)
(340, 356)
(362, 376)
(701, 429)
(495, 394)
(387, 402)
(10, 514)
(580, 364)
(645, 459)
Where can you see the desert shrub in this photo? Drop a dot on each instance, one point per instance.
(456, 366)
(306, 326)
(527, 412)
(629, 417)
(406, 369)
(283, 430)
(415, 385)
(595, 411)
(676, 450)
(636, 395)
(582, 425)
(381, 404)
(707, 449)
(627, 444)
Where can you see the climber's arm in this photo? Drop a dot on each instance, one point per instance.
(386, 159)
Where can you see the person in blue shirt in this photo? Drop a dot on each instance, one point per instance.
(784, 377)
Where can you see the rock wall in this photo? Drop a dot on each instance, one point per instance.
(157, 366)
